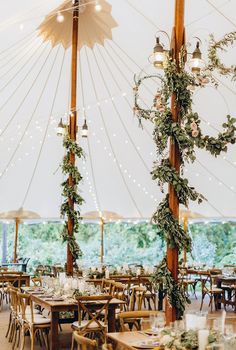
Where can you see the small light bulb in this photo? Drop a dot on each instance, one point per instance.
(21, 26)
(98, 7)
(60, 17)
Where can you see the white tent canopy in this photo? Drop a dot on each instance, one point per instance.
(35, 90)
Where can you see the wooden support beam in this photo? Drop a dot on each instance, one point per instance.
(176, 43)
(73, 120)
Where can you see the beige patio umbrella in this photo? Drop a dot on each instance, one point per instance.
(184, 216)
(94, 26)
(17, 216)
(104, 217)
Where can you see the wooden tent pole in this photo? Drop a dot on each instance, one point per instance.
(185, 230)
(73, 120)
(176, 43)
(102, 240)
(17, 222)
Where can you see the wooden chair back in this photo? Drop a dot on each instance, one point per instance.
(84, 343)
(107, 347)
(107, 286)
(13, 298)
(24, 300)
(93, 307)
(136, 298)
(135, 316)
(206, 281)
(37, 281)
(3, 268)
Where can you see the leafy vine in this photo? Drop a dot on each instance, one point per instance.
(187, 134)
(214, 62)
(70, 193)
(175, 293)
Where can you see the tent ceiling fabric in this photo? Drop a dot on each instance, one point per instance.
(94, 27)
(35, 90)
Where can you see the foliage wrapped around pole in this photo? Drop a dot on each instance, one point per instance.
(188, 135)
(71, 192)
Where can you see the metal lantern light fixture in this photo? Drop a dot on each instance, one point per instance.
(84, 130)
(196, 61)
(61, 128)
(158, 54)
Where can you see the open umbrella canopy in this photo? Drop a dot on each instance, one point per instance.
(94, 26)
(35, 90)
(104, 215)
(19, 214)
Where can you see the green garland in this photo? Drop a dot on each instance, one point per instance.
(185, 340)
(188, 135)
(170, 228)
(214, 62)
(70, 192)
(174, 291)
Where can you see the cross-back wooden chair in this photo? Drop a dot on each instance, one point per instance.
(132, 319)
(150, 293)
(84, 343)
(136, 298)
(215, 294)
(37, 281)
(94, 308)
(13, 330)
(187, 281)
(32, 322)
(107, 286)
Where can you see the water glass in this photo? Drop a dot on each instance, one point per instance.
(145, 324)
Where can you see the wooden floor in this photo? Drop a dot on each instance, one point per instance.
(65, 335)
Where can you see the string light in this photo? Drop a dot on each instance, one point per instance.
(126, 172)
(98, 7)
(60, 17)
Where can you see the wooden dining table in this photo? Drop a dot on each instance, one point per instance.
(16, 278)
(55, 307)
(126, 340)
(226, 280)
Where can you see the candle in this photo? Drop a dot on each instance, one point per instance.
(203, 335)
(191, 321)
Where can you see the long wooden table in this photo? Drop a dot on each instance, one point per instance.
(125, 340)
(17, 279)
(227, 280)
(59, 306)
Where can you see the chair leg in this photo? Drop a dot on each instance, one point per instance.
(19, 333)
(22, 345)
(72, 342)
(9, 325)
(203, 296)
(32, 339)
(211, 300)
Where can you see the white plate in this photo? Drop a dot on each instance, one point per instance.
(146, 344)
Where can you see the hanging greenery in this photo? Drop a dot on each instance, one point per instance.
(175, 292)
(214, 62)
(70, 193)
(187, 134)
